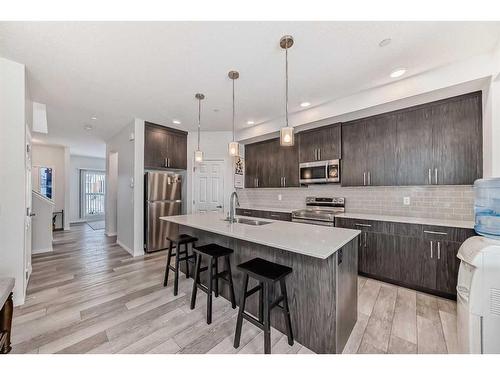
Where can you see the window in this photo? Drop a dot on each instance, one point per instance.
(46, 181)
(92, 192)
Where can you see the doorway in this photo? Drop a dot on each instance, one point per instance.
(208, 195)
(92, 195)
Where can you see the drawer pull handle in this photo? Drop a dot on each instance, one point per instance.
(432, 232)
(275, 215)
(363, 225)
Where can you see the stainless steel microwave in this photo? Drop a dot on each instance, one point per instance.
(319, 172)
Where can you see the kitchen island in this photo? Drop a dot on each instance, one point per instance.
(322, 289)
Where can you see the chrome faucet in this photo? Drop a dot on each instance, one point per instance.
(233, 203)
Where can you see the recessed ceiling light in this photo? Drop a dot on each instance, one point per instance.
(93, 118)
(250, 122)
(305, 104)
(385, 42)
(177, 122)
(398, 72)
(88, 127)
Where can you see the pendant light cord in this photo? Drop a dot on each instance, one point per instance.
(286, 82)
(233, 110)
(199, 122)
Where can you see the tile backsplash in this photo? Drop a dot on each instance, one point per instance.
(438, 202)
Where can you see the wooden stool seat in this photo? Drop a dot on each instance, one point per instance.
(213, 252)
(264, 270)
(182, 239)
(267, 273)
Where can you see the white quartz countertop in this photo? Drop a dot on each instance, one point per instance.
(312, 240)
(410, 220)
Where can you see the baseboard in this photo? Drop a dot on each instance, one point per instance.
(110, 234)
(40, 251)
(128, 250)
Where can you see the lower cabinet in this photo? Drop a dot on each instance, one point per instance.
(273, 215)
(411, 255)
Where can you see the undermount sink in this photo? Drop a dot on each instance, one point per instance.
(242, 220)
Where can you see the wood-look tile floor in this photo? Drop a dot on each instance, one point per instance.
(90, 296)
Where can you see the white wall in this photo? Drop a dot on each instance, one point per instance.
(12, 174)
(111, 192)
(215, 147)
(53, 156)
(76, 163)
(129, 187)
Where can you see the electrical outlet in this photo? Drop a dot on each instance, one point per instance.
(279, 197)
(406, 201)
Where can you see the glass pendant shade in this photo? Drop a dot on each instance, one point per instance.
(234, 149)
(287, 137)
(198, 156)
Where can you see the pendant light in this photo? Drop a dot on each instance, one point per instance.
(286, 133)
(234, 147)
(198, 154)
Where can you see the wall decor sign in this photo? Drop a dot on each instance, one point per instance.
(239, 172)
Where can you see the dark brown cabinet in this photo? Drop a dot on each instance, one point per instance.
(283, 216)
(369, 151)
(269, 165)
(320, 144)
(422, 257)
(438, 143)
(164, 147)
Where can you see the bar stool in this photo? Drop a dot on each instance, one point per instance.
(213, 252)
(180, 255)
(267, 273)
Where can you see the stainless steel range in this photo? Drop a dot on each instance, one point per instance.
(320, 211)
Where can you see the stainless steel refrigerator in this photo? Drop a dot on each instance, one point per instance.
(162, 193)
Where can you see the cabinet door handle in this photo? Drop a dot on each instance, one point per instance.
(439, 250)
(363, 225)
(369, 179)
(275, 215)
(432, 232)
(432, 245)
(319, 154)
(430, 177)
(364, 178)
(316, 154)
(436, 175)
(284, 181)
(366, 234)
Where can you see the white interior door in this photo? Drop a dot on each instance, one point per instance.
(209, 186)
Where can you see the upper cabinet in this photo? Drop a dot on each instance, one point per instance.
(269, 165)
(438, 143)
(164, 147)
(320, 144)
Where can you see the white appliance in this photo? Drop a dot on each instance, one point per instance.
(478, 296)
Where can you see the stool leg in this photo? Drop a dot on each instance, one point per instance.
(267, 321)
(239, 321)
(187, 260)
(261, 302)
(209, 294)
(286, 312)
(196, 280)
(230, 280)
(216, 279)
(176, 272)
(167, 268)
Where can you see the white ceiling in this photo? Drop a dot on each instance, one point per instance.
(151, 70)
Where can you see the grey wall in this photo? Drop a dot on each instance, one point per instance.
(441, 202)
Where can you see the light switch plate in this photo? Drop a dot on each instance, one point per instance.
(279, 197)
(406, 201)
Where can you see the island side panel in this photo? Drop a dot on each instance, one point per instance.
(347, 292)
(311, 289)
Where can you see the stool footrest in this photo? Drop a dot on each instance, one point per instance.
(253, 290)
(253, 320)
(276, 302)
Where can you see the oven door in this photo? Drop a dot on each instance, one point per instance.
(311, 173)
(314, 222)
